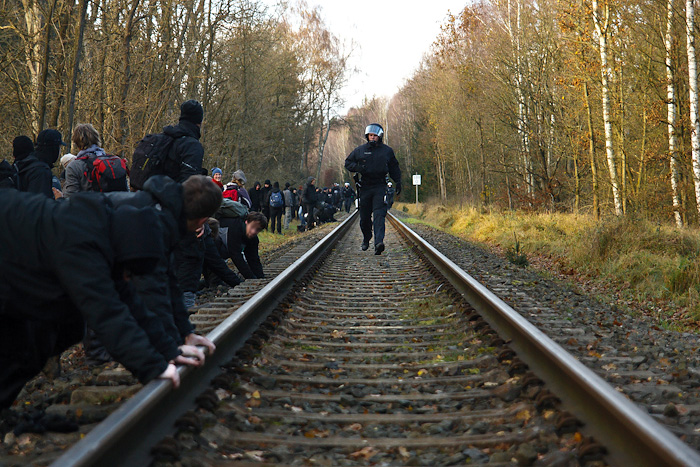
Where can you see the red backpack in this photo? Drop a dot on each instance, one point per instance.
(231, 193)
(106, 172)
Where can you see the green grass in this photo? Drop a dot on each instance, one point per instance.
(657, 265)
(270, 241)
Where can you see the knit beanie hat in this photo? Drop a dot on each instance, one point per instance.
(192, 111)
(22, 146)
(216, 170)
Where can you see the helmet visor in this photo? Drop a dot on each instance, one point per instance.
(374, 130)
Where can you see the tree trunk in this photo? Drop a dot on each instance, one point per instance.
(484, 194)
(45, 68)
(76, 66)
(642, 152)
(126, 74)
(621, 137)
(672, 113)
(693, 85)
(591, 152)
(602, 25)
(322, 144)
(32, 21)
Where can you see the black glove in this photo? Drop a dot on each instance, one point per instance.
(398, 189)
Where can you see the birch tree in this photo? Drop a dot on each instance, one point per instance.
(671, 104)
(601, 20)
(693, 95)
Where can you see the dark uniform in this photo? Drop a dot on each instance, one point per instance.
(348, 197)
(373, 160)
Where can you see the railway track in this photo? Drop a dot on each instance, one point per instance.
(346, 358)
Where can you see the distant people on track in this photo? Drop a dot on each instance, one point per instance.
(265, 198)
(256, 197)
(389, 196)
(337, 198)
(308, 201)
(55, 277)
(348, 195)
(373, 160)
(242, 243)
(288, 204)
(275, 201)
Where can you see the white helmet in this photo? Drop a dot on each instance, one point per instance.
(375, 129)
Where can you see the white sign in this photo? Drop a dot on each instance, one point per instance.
(416, 180)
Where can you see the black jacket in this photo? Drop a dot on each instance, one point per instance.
(348, 193)
(186, 150)
(265, 197)
(195, 253)
(374, 162)
(160, 290)
(309, 196)
(57, 264)
(34, 176)
(255, 199)
(216, 264)
(242, 250)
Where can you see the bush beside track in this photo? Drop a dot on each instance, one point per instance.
(649, 267)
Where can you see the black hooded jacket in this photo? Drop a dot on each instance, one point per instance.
(256, 197)
(57, 264)
(160, 290)
(374, 161)
(186, 149)
(34, 176)
(309, 196)
(242, 250)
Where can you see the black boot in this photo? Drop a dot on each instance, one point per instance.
(365, 246)
(378, 248)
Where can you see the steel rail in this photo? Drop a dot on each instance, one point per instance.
(127, 435)
(631, 435)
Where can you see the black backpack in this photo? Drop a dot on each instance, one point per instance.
(151, 157)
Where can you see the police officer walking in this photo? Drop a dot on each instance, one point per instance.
(373, 161)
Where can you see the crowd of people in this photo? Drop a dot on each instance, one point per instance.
(113, 256)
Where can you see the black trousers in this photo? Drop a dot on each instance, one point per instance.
(25, 347)
(347, 203)
(276, 219)
(372, 213)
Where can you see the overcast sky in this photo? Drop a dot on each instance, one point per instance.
(391, 37)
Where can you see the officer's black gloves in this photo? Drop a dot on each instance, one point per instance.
(398, 189)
